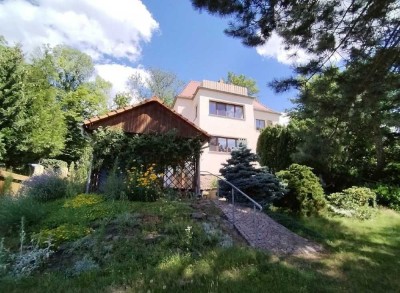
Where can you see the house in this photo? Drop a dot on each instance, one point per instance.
(228, 114)
(153, 117)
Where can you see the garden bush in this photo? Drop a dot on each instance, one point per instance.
(355, 202)
(61, 234)
(143, 186)
(114, 186)
(304, 194)
(388, 195)
(45, 187)
(240, 171)
(12, 209)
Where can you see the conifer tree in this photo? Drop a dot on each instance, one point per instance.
(241, 172)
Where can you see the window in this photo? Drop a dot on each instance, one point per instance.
(223, 144)
(260, 124)
(195, 113)
(226, 110)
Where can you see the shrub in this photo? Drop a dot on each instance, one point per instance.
(61, 234)
(240, 171)
(353, 202)
(143, 186)
(114, 186)
(388, 195)
(7, 185)
(27, 259)
(12, 209)
(304, 194)
(45, 187)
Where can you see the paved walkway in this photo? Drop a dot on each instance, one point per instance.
(271, 236)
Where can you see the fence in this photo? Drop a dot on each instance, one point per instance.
(16, 183)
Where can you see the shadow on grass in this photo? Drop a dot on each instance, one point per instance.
(365, 255)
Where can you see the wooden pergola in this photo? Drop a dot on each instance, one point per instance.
(153, 117)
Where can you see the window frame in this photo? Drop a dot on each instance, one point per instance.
(217, 145)
(259, 120)
(219, 112)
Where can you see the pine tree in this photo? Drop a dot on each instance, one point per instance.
(241, 172)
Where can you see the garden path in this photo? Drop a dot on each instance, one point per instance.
(263, 232)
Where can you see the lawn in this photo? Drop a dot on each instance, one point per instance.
(158, 247)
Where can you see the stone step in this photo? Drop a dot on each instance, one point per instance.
(263, 232)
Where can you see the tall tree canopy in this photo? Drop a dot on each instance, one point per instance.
(44, 101)
(354, 29)
(242, 80)
(162, 84)
(31, 123)
(350, 115)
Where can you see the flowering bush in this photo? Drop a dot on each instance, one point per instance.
(143, 186)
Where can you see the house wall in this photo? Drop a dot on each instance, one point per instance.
(211, 161)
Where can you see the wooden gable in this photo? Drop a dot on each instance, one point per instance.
(150, 116)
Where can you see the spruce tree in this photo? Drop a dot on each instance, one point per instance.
(240, 171)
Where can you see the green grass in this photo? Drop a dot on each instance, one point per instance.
(360, 257)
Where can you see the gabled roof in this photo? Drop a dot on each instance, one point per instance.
(260, 107)
(148, 116)
(190, 89)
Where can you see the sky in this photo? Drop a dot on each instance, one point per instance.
(128, 36)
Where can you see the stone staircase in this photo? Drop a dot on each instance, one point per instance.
(262, 232)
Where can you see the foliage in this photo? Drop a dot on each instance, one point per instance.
(242, 80)
(275, 146)
(360, 254)
(240, 171)
(4, 258)
(44, 102)
(388, 195)
(13, 208)
(61, 234)
(45, 187)
(354, 202)
(82, 200)
(333, 102)
(143, 185)
(122, 99)
(84, 265)
(332, 141)
(115, 185)
(162, 84)
(139, 151)
(304, 194)
(358, 30)
(7, 186)
(53, 165)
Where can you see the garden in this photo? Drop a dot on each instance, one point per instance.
(54, 237)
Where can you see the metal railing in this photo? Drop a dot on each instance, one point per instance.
(256, 205)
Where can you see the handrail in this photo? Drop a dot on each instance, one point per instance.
(255, 204)
(234, 187)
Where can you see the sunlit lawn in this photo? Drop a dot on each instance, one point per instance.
(360, 256)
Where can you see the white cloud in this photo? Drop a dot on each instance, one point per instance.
(118, 75)
(275, 48)
(100, 28)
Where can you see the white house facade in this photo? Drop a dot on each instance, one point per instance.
(228, 114)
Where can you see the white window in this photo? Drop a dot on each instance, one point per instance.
(226, 110)
(225, 144)
(260, 124)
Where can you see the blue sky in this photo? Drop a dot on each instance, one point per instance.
(193, 45)
(129, 36)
